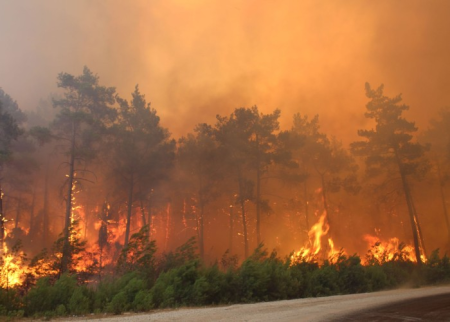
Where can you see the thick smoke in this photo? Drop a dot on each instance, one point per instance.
(197, 59)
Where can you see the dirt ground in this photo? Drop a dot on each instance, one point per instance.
(334, 308)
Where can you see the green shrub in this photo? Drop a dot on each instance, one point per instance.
(79, 302)
(118, 304)
(61, 310)
(376, 278)
(40, 298)
(325, 281)
(437, 270)
(142, 301)
(175, 287)
(352, 277)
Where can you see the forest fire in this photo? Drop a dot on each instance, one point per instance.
(384, 251)
(13, 270)
(312, 252)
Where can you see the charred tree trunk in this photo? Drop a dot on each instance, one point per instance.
(411, 210)
(129, 211)
(66, 253)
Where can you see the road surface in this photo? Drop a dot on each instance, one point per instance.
(420, 304)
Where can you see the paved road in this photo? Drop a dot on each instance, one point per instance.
(431, 308)
(424, 304)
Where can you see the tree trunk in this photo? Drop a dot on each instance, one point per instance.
(231, 229)
(244, 224)
(45, 228)
(2, 221)
(129, 210)
(19, 204)
(242, 204)
(305, 193)
(258, 192)
(409, 202)
(150, 219)
(201, 241)
(66, 253)
(86, 220)
(33, 203)
(325, 200)
(144, 222)
(166, 243)
(444, 204)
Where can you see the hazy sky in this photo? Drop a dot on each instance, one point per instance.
(194, 59)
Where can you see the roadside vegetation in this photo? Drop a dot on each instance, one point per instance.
(143, 282)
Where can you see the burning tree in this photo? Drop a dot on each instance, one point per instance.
(9, 132)
(332, 167)
(85, 110)
(389, 149)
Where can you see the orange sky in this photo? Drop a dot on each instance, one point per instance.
(195, 59)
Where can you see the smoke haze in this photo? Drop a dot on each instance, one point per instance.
(196, 59)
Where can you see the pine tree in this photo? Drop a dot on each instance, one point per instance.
(389, 149)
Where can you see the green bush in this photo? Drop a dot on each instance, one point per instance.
(437, 270)
(351, 275)
(142, 301)
(108, 288)
(118, 304)
(324, 281)
(376, 278)
(79, 302)
(175, 287)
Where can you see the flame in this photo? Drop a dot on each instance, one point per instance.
(392, 249)
(310, 253)
(12, 270)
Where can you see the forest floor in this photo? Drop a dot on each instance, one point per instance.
(406, 304)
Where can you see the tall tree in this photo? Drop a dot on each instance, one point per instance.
(85, 110)
(389, 149)
(248, 139)
(142, 150)
(325, 161)
(9, 131)
(200, 160)
(438, 134)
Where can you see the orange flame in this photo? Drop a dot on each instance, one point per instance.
(392, 249)
(311, 252)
